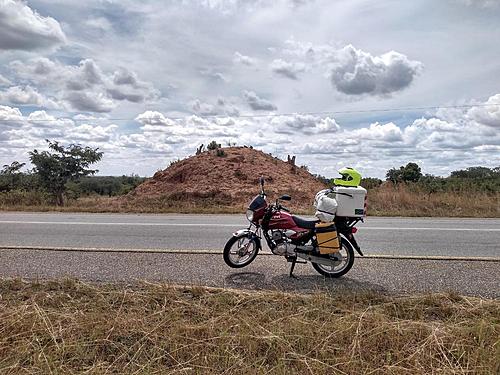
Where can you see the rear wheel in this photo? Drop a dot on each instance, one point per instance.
(341, 262)
(240, 251)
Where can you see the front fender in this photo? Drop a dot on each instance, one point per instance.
(249, 234)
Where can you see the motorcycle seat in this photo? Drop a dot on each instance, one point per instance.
(305, 223)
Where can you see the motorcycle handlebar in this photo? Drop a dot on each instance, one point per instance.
(284, 208)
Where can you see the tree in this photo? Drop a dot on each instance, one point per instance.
(14, 168)
(394, 175)
(213, 145)
(10, 176)
(409, 173)
(475, 172)
(65, 164)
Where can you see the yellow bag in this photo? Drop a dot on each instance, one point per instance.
(327, 237)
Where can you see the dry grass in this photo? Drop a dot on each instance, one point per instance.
(69, 327)
(389, 200)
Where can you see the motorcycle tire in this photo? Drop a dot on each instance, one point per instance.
(320, 268)
(235, 241)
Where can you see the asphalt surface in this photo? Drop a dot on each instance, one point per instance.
(401, 236)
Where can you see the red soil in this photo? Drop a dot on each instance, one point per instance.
(231, 179)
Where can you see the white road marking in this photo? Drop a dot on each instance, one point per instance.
(235, 225)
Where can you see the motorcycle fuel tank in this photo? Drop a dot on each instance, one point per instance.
(283, 220)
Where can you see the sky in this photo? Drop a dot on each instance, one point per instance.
(367, 84)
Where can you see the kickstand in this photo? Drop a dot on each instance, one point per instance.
(294, 260)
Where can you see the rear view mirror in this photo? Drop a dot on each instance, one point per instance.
(285, 197)
(261, 181)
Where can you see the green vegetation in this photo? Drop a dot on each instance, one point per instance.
(63, 173)
(55, 169)
(68, 327)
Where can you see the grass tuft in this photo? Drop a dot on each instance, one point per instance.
(71, 327)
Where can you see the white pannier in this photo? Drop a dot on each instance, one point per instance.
(326, 206)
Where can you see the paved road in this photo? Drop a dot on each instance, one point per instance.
(403, 236)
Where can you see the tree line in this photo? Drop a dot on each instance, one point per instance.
(64, 172)
(471, 179)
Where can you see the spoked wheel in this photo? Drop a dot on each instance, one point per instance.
(341, 262)
(240, 251)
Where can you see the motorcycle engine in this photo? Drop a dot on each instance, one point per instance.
(283, 245)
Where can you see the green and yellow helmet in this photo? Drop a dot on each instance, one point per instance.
(350, 177)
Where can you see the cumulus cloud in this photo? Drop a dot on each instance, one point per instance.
(488, 114)
(88, 101)
(214, 75)
(481, 3)
(303, 124)
(25, 132)
(85, 87)
(4, 81)
(355, 72)
(22, 28)
(352, 71)
(221, 107)
(18, 95)
(153, 118)
(287, 69)
(238, 58)
(10, 116)
(389, 132)
(257, 103)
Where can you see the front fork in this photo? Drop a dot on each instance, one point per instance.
(250, 234)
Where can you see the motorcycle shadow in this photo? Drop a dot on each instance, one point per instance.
(302, 283)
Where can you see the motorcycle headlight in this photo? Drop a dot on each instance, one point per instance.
(249, 215)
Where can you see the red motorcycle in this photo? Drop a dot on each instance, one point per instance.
(292, 237)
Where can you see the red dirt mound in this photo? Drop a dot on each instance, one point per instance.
(231, 179)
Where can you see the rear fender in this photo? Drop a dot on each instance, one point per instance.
(248, 233)
(350, 238)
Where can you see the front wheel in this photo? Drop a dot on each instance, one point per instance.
(341, 262)
(240, 251)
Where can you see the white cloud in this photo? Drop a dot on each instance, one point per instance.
(221, 107)
(19, 95)
(88, 101)
(355, 72)
(153, 118)
(489, 114)
(25, 133)
(481, 3)
(4, 81)
(10, 116)
(287, 69)
(238, 58)
(352, 71)
(22, 28)
(85, 87)
(303, 124)
(389, 132)
(257, 103)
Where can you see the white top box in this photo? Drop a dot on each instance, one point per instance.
(350, 200)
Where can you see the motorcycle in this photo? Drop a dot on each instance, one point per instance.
(290, 236)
